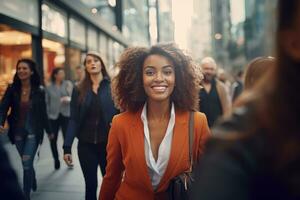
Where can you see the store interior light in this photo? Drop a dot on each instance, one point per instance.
(94, 10)
(14, 38)
(112, 3)
(218, 36)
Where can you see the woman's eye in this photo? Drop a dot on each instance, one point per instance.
(168, 72)
(149, 73)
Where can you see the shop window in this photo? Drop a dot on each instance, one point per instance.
(54, 21)
(92, 39)
(77, 31)
(14, 45)
(53, 55)
(25, 11)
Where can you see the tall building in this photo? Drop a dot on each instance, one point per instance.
(136, 21)
(199, 37)
(221, 31)
(165, 21)
(260, 27)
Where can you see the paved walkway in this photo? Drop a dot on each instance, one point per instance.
(62, 184)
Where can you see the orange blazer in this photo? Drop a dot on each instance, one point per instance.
(127, 175)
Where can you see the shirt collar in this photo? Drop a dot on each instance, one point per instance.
(144, 112)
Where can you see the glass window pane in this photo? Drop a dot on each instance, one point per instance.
(54, 21)
(14, 45)
(77, 31)
(25, 11)
(103, 47)
(92, 39)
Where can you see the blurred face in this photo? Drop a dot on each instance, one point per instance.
(158, 78)
(79, 73)
(209, 71)
(93, 64)
(60, 76)
(23, 71)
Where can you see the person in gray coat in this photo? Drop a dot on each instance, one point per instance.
(58, 97)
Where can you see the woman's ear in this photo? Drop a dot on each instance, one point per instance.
(290, 41)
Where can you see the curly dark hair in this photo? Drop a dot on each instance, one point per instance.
(127, 87)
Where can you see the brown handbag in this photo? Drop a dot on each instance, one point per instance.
(180, 185)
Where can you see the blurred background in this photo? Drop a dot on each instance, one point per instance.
(57, 33)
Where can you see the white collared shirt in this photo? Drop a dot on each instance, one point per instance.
(156, 169)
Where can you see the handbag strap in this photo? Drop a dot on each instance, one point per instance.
(191, 138)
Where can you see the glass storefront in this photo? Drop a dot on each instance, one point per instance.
(14, 45)
(54, 20)
(53, 55)
(25, 11)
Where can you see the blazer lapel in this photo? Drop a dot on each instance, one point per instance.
(179, 142)
(137, 135)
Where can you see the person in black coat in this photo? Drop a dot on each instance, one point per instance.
(255, 155)
(92, 110)
(27, 119)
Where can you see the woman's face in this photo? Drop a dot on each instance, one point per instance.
(60, 76)
(23, 71)
(158, 78)
(93, 64)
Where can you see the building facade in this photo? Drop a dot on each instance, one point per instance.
(220, 31)
(259, 27)
(58, 33)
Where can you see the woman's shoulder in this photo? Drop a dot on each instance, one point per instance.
(125, 117)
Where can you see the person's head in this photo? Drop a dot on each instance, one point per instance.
(26, 70)
(94, 65)
(159, 73)
(209, 68)
(58, 74)
(257, 69)
(80, 73)
(239, 75)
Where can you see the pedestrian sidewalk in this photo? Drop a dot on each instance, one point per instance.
(62, 184)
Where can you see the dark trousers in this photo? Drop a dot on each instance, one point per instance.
(27, 147)
(90, 157)
(60, 122)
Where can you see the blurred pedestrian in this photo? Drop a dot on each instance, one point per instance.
(28, 117)
(214, 98)
(9, 186)
(256, 154)
(80, 74)
(149, 143)
(92, 110)
(238, 85)
(257, 69)
(58, 97)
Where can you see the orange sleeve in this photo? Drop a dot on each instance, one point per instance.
(203, 134)
(115, 167)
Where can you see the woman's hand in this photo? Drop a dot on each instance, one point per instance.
(68, 160)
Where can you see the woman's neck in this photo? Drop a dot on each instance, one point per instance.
(96, 78)
(58, 82)
(158, 110)
(25, 83)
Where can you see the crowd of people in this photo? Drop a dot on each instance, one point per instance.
(159, 117)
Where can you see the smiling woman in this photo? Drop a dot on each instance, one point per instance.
(158, 89)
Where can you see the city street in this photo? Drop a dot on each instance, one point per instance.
(53, 184)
